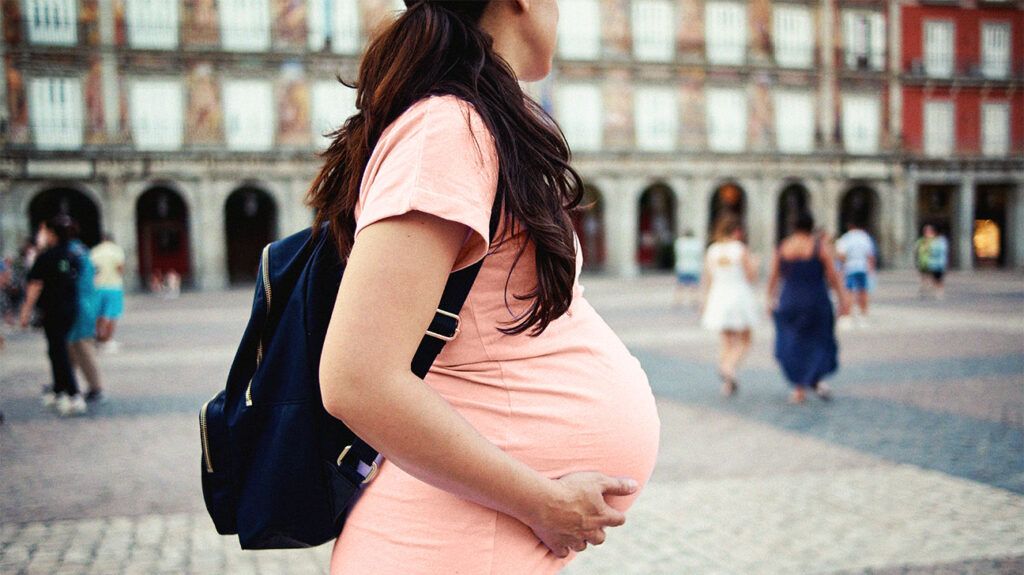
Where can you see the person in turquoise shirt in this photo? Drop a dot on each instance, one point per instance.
(82, 338)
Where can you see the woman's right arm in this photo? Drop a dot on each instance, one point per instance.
(393, 280)
(33, 289)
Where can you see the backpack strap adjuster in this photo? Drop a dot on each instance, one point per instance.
(373, 468)
(455, 331)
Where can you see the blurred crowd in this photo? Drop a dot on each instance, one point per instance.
(816, 284)
(76, 296)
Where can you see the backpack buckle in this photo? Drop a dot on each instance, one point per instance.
(455, 332)
(373, 468)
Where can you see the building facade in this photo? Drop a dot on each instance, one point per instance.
(962, 88)
(189, 128)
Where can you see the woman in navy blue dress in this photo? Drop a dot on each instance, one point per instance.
(805, 343)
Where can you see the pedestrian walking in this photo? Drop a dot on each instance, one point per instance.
(805, 345)
(535, 428)
(856, 251)
(14, 290)
(82, 337)
(689, 256)
(938, 261)
(108, 258)
(922, 253)
(52, 285)
(730, 307)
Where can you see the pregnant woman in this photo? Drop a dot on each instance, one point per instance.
(535, 429)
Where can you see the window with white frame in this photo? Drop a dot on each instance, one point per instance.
(995, 129)
(334, 22)
(157, 114)
(245, 25)
(938, 129)
(656, 113)
(56, 112)
(333, 103)
(248, 115)
(794, 122)
(726, 119)
(725, 32)
(792, 36)
(152, 23)
(578, 109)
(864, 40)
(653, 30)
(995, 49)
(579, 29)
(52, 21)
(938, 48)
(861, 123)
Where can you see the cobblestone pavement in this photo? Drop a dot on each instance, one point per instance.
(917, 466)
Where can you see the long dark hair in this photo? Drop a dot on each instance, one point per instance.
(437, 47)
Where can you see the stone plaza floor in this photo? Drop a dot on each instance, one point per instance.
(917, 466)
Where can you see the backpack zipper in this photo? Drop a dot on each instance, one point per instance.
(265, 266)
(205, 437)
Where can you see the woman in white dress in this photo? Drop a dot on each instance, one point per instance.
(729, 304)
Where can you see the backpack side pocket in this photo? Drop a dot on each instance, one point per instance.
(218, 487)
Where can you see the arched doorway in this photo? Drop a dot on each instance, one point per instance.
(161, 224)
(859, 207)
(792, 202)
(657, 229)
(589, 223)
(728, 200)
(71, 202)
(250, 222)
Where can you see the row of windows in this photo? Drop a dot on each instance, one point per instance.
(245, 25)
(579, 110)
(726, 26)
(157, 109)
(940, 49)
(940, 128)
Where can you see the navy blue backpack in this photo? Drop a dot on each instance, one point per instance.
(277, 469)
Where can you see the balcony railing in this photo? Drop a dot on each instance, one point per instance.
(968, 69)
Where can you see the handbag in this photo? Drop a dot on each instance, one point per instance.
(277, 469)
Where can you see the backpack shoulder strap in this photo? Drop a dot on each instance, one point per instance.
(442, 329)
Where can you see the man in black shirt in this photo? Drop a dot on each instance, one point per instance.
(51, 285)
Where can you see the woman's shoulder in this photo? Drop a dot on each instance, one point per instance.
(441, 114)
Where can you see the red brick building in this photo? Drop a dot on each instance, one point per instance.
(961, 66)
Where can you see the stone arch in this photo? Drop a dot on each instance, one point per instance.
(250, 222)
(589, 222)
(656, 229)
(69, 200)
(162, 233)
(729, 198)
(793, 199)
(860, 206)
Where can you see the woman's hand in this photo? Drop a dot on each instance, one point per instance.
(845, 303)
(575, 512)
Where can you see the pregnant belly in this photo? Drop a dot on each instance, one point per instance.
(585, 408)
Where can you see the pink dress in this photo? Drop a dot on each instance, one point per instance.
(572, 399)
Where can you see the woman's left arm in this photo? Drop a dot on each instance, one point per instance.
(828, 260)
(750, 265)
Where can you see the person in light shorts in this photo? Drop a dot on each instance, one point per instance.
(856, 251)
(108, 258)
(689, 256)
